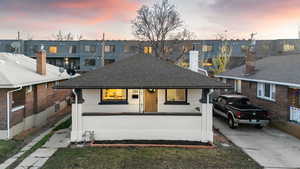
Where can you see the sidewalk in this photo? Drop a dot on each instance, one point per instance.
(37, 159)
(271, 148)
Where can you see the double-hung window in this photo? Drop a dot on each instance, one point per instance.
(266, 91)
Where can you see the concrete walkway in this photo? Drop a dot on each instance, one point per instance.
(271, 148)
(27, 147)
(38, 158)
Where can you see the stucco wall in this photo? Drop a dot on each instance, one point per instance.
(92, 98)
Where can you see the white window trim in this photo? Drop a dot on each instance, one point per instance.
(261, 86)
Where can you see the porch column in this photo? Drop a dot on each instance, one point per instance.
(76, 133)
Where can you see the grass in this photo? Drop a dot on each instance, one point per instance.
(150, 158)
(64, 125)
(8, 148)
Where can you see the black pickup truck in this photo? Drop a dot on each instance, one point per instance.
(238, 110)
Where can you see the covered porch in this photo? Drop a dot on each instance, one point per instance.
(142, 114)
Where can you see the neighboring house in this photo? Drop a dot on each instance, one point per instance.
(142, 98)
(274, 83)
(27, 99)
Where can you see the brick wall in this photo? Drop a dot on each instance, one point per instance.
(3, 108)
(279, 108)
(39, 99)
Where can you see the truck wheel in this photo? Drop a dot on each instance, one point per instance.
(231, 122)
(259, 126)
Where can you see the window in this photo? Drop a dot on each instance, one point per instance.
(148, 50)
(90, 48)
(52, 49)
(128, 49)
(207, 48)
(89, 62)
(108, 61)
(288, 47)
(266, 91)
(109, 48)
(114, 96)
(176, 96)
(72, 49)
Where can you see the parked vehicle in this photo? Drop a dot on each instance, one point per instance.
(237, 109)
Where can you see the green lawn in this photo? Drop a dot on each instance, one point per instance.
(8, 148)
(150, 158)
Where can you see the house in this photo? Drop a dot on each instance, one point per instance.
(27, 99)
(272, 82)
(142, 98)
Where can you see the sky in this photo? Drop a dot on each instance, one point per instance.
(41, 19)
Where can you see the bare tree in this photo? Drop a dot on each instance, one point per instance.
(222, 60)
(63, 36)
(154, 24)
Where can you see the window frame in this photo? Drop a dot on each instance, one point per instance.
(125, 101)
(185, 102)
(261, 89)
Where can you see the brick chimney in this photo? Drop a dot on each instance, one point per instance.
(250, 62)
(41, 61)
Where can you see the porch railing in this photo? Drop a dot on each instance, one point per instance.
(295, 114)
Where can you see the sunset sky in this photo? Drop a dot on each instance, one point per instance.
(271, 19)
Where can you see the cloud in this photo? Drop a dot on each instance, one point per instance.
(252, 14)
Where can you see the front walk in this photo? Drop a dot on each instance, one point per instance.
(38, 158)
(271, 148)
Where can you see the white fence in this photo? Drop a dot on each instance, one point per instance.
(295, 114)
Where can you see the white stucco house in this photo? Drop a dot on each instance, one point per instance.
(142, 98)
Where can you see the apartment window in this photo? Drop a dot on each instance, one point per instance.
(52, 49)
(108, 61)
(266, 91)
(109, 48)
(288, 47)
(176, 96)
(114, 96)
(90, 62)
(207, 48)
(128, 49)
(90, 48)
(72, 49)
(148, 50)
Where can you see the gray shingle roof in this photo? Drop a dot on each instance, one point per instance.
(141, 72)
(283, 69)
(19, 70)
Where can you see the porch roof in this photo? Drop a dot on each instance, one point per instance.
(141, 72)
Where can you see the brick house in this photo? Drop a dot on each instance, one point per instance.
(272, 82)
(27, 98)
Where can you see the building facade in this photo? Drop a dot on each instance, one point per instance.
(85, 55)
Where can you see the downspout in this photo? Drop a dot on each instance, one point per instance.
(8, 109)
(207, 103)
(76, 110)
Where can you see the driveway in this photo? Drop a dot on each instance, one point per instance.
(271, 148)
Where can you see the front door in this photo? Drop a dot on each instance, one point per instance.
(150, 99)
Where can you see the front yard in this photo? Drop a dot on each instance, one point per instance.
(150, 158)
(8, 148)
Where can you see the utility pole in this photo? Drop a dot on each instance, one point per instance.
(19, 36)
(102, 50)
